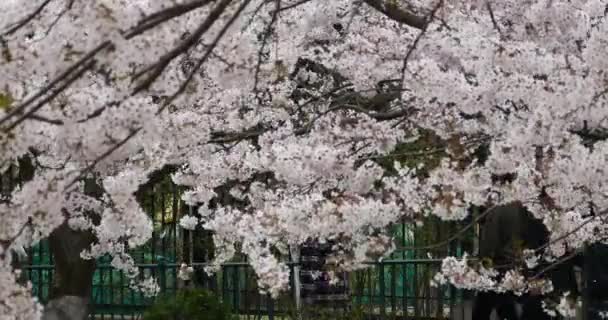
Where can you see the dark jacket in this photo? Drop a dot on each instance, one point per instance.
(507, 230)
(596, 265)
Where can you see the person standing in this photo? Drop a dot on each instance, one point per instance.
(596, 282)
(506, 232)
(500, 228)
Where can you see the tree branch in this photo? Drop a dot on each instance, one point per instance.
(155, 70)
(395, 13)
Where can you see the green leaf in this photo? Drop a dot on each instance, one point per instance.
(5, 101)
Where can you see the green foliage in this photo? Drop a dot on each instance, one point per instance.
(5, 101)
(310, 313)
(190, 304)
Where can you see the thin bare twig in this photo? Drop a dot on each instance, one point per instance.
(57, 80)
(454, 236)
(410, 51)
(53, 93)
(5, 244)
(104, 155)
(265, 37)
(571, 232)
(293, 5)
(206, 56)
(554, 264)
(23, 22)
(154, 71)
(491, 11)
(157, 18)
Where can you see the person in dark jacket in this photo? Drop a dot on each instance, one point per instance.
(499, 228)
(506, 231)
(595, 266)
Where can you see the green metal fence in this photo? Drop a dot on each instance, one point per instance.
(398, 287)
(378, 295)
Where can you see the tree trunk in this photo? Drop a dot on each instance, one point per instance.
(73, 275)
(66, 308)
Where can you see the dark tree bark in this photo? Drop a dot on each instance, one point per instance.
(73, 275)
(73, 280)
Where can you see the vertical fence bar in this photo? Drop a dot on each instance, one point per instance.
(427, 297)
(133, 301)
(162, 268)
(415, 285)
(111, 298)
(122, 292)
(101, 290)
(141, 294)
(224, 295)
(258, 305)
(371, 288)
(174, 227)
(40, 273)
(153, 213)
(405, 290)
(393, 289)
(270, 307)
(246, 308)
(50, 271)
(382, 293)
(452, 301)
(235, 288)
(163, 221)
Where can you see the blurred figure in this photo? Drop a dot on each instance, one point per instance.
(506, 231)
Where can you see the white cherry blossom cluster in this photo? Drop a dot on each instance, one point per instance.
(457, 272)
(17, 301)
(566, 307)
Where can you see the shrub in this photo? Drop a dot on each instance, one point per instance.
(189, 304)
(316, 313)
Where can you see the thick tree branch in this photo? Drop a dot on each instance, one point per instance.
(424, 28)
(266, 35)
(157, 18)
(398, 14)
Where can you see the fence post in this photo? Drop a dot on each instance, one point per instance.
(382, 289)
(236, 288)
(162, 268)
(270, 307)
(295, 257)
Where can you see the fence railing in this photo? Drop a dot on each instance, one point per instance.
(391, 289)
